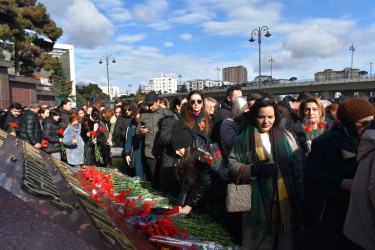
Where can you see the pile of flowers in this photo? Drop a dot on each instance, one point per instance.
(111, 188)
(136, 198)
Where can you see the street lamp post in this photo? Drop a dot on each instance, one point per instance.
(351, 70)
(218, 79)
(271, 61)
(259, 32)
(107, 57)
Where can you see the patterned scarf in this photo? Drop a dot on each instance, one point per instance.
(249, 150)
(199, 119)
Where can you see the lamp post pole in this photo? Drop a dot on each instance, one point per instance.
(351, 69)
(271, 61)
(259, 32)
(107, 57)
(217, 70)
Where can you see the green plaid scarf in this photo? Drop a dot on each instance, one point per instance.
(249, 150)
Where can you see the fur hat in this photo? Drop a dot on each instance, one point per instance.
(181, 137)
(354, 109)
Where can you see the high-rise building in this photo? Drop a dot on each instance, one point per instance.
(162, 83)
(235, 75)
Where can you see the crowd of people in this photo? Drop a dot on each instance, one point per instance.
(310, 162)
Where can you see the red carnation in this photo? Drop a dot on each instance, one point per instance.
(45, 143)
(73, 115)
(60, 131)
(73, 136)
(86, 122)
(13, 125)
(308, 128)
(321, 125)
(101, 129)
(92, 134)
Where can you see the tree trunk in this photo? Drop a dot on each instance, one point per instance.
(16, 60)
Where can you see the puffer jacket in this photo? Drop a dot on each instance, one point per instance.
(50, 134)
(192, 195)
(74, 152)
(29, 128)
(152, 121)
(65, 115)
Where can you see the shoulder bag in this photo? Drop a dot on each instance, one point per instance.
(238, 196)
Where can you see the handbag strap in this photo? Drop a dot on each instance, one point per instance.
(240, 173)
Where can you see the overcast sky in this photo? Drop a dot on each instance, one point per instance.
(194, 37)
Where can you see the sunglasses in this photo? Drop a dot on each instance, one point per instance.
(364, 124)
(199, 101)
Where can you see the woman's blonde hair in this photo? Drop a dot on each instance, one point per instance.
(318, 103)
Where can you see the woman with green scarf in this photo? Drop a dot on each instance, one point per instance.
(271, 163)
(330, 170)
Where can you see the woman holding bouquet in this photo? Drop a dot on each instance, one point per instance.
(50, 133)
(267, 157)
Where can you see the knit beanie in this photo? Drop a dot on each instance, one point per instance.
(354, 109)
(181, 137)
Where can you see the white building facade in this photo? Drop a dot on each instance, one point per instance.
(162, 83)
(113, 91)
(200, 84)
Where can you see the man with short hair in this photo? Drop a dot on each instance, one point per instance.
(12, 116)
(224, 112)
(148, 128)
(29, 126)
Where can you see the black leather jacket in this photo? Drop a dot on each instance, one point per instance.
(29, 128)
(50, 134)
(191, 195)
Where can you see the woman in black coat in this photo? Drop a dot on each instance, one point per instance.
(50, 133)
(330, 169)
(191, 167)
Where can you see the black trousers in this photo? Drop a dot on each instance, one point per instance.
(153, 169)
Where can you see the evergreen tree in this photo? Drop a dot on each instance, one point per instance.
(138, 97)
(60, 82)
(28, 33)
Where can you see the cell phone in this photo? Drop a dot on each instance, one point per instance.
(143, 124)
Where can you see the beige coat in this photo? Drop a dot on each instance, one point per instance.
(360, 219)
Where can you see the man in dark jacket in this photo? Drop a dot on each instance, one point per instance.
(13, 115)
(149, 129)
(29, 126)
(224, 112)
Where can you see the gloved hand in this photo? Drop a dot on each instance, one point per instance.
(264, 169)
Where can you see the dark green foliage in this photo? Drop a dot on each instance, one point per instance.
(28, 33)
(60, 82)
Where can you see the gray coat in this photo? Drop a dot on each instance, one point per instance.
(74, 152)
(152, 121)
(360, 219)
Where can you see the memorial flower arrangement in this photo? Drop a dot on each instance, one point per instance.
(61, 135)
(136, 199)
(13, 126)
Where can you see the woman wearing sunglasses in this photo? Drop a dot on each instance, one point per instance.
(330, 169)
(195, 117)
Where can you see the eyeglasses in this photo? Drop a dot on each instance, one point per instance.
(199, 101)
(364, 124)
(75, 125)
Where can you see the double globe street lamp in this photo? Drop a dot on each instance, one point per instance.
(259, 32)
(107, 57)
